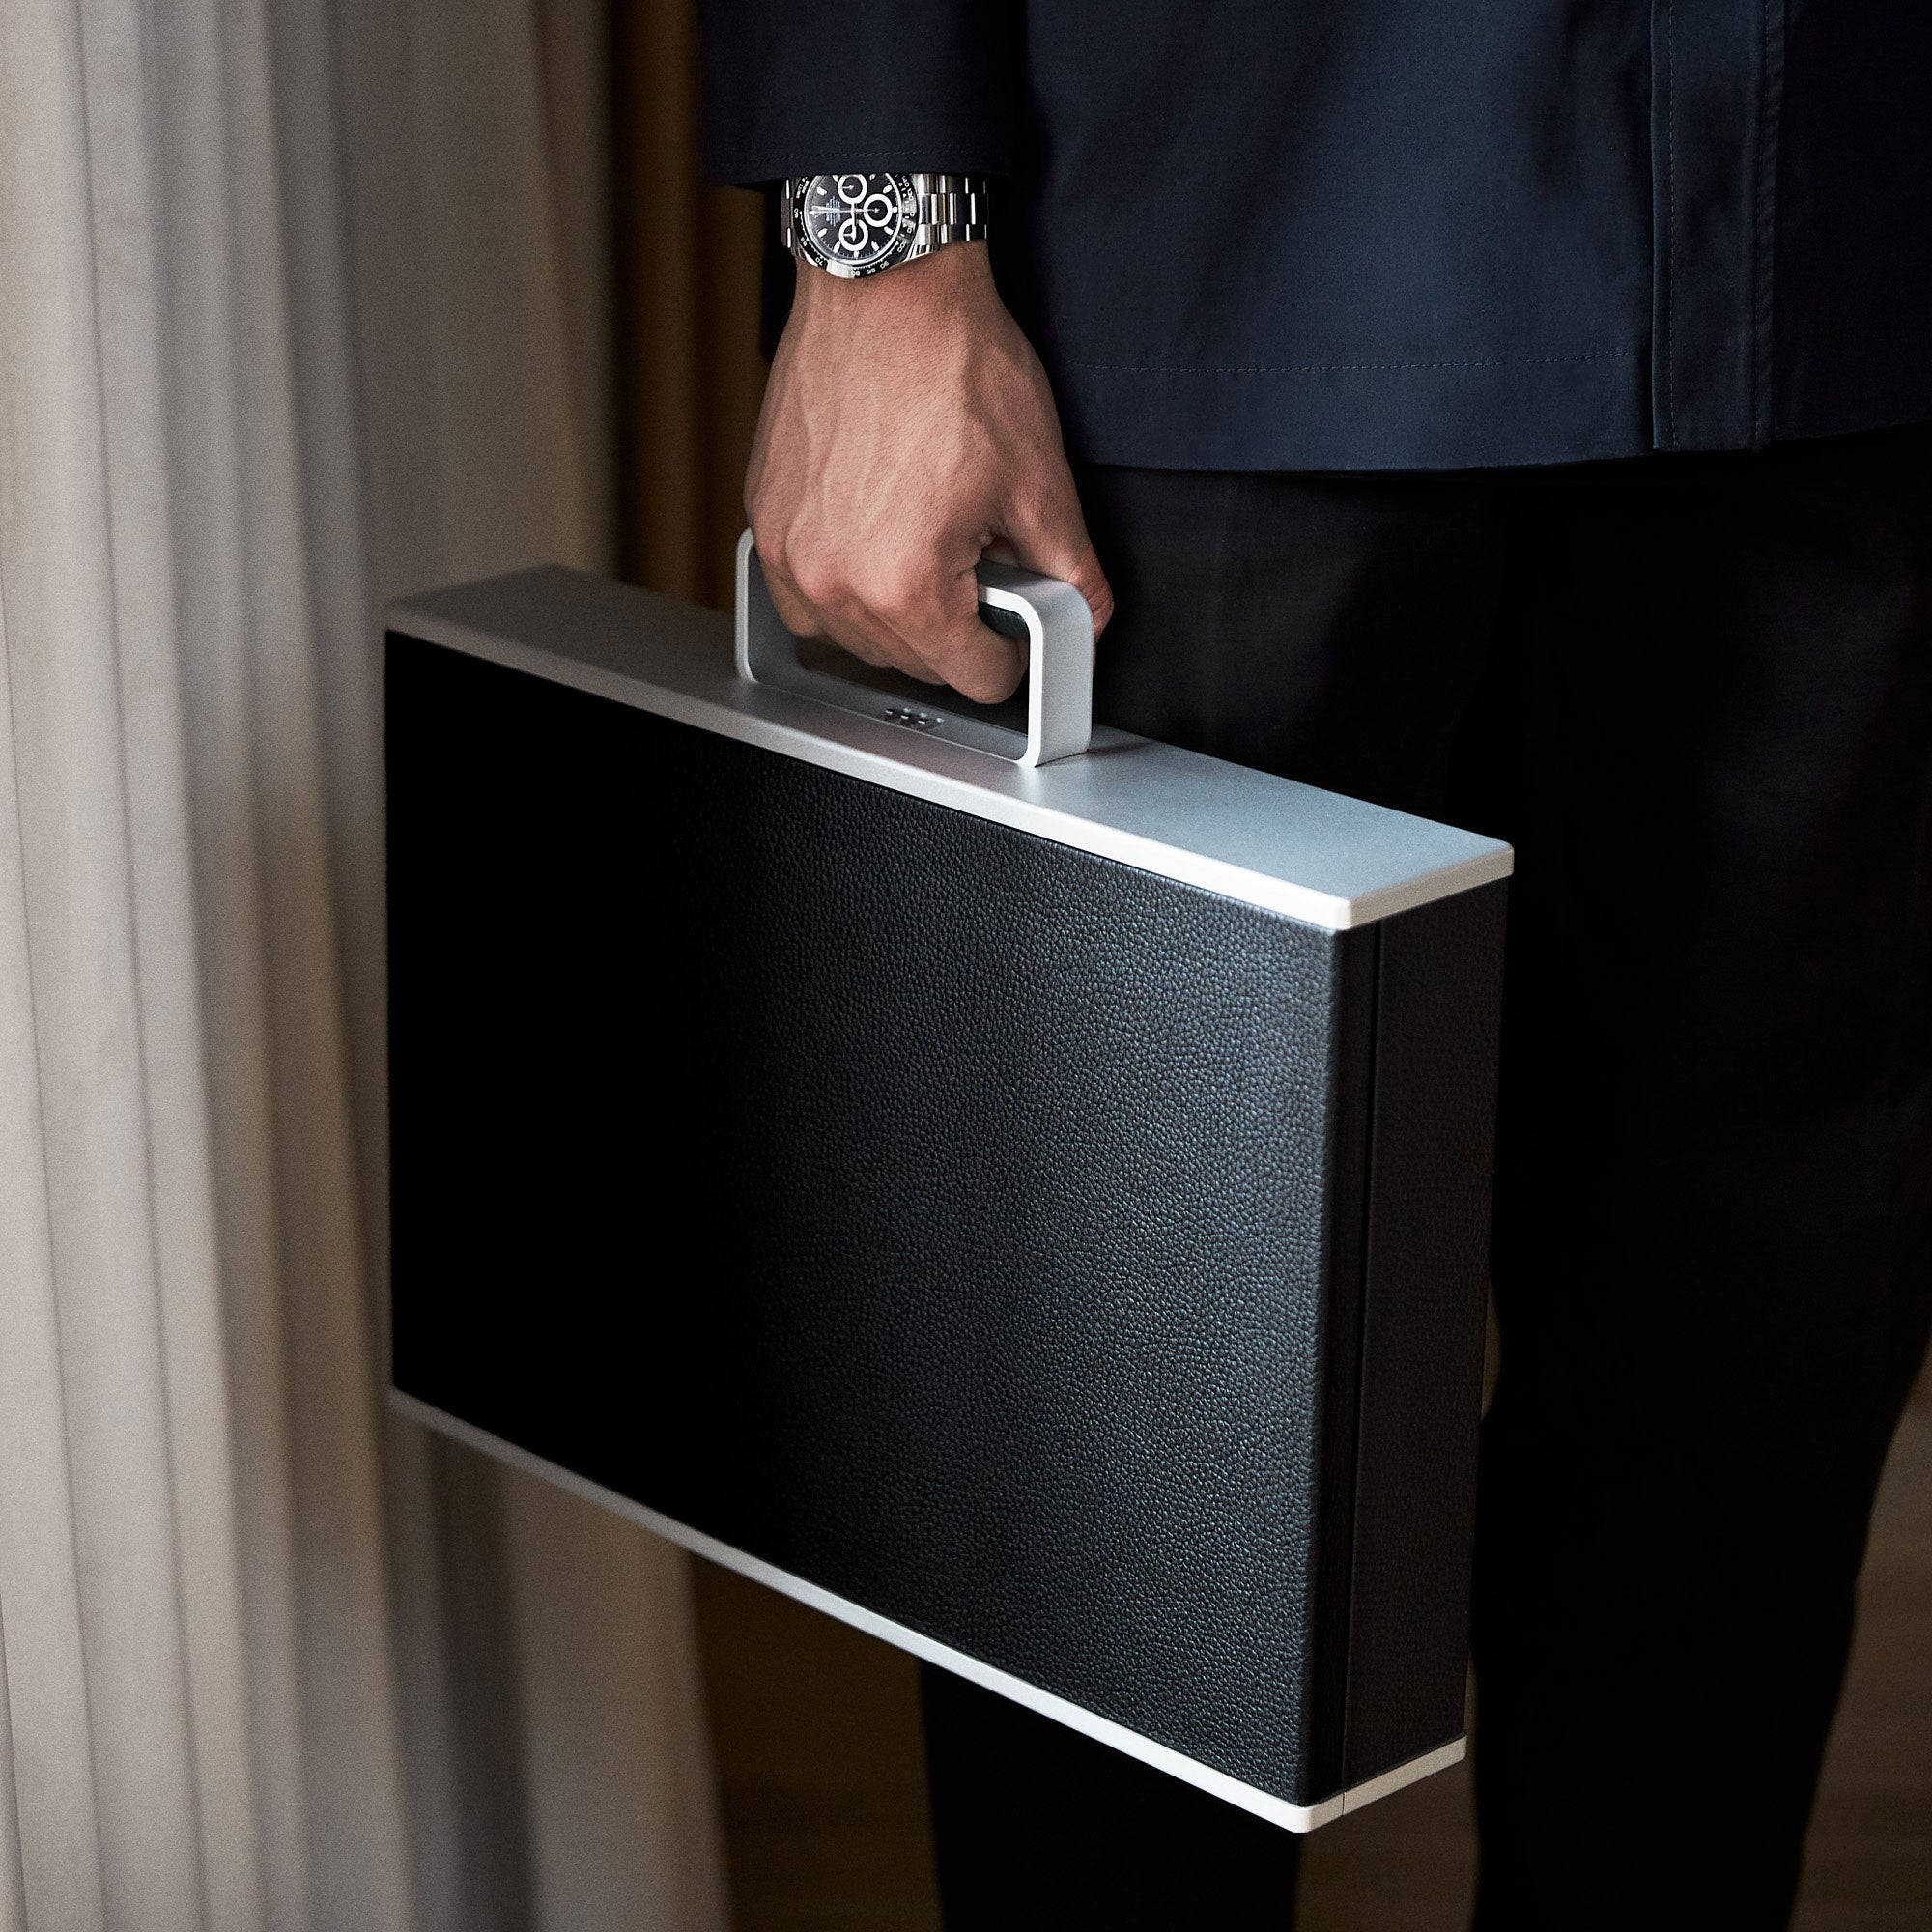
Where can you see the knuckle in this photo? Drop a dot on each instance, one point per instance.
(818, 578)
(768, 537)
(896, 589)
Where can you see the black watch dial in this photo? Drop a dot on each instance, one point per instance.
(856, 220)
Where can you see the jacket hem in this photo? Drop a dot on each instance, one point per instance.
(1367, 414)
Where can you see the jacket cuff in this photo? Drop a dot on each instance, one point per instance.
(872, 84)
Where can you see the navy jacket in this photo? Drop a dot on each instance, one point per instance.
(1372, 234)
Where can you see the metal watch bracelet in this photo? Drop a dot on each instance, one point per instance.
(945, 209)
(950, 207)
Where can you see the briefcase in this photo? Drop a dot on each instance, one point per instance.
(1017, 1187)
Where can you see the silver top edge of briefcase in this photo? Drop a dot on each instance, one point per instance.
(1289, 848)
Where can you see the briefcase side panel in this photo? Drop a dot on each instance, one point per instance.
(1438, 1019)
(1357, 970)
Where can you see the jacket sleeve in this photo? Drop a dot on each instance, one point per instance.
(799, 87)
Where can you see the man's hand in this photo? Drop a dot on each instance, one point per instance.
(908, 426)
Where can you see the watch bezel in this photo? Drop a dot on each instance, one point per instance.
(896, 249)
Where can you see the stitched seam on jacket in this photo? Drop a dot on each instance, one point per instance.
(1764, 265)
(1758, 210)
(1668, 306)
(1347, 368)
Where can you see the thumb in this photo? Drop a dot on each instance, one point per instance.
(1046, 532)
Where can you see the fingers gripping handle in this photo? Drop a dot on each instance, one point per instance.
(1059, 688)
(1060, 657)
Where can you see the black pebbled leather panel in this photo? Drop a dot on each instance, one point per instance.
(969, 1224)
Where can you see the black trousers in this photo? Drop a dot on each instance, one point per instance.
(1696, 695)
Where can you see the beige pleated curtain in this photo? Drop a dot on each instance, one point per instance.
(299, 308)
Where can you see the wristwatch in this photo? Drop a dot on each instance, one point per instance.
(852, 225)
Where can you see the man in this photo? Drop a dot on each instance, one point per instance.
(1500, 410)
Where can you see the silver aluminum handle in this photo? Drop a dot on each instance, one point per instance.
(1057, 720)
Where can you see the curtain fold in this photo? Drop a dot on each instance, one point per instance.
(284, 329)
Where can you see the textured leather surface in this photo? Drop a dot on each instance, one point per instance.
(942, 1214)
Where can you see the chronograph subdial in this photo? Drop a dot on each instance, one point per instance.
(856, 222)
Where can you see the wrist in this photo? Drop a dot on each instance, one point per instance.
(956, 276)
